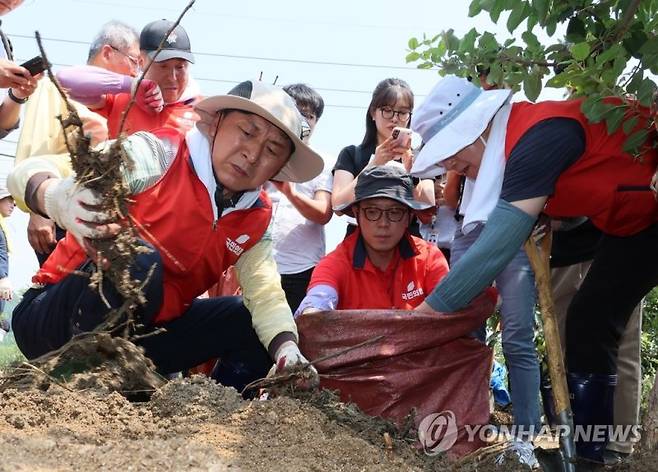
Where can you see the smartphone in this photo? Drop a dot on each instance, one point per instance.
(402, 136)
(35, 65)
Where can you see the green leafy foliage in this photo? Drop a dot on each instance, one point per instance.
(649, 356)
(609, 49)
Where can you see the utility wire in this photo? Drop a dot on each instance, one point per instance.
(256, 58)
(356, 107)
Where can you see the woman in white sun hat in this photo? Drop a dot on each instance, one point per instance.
(547, 157)
(199, 203)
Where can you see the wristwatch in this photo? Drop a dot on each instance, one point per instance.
(13, 97)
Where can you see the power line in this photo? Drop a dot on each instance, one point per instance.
(255, 58)
(269, 19)
(356, 107)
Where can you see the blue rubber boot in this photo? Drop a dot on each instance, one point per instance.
(592, 402)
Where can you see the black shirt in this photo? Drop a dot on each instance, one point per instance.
(353, 160)
(576, 245)
(544, 152)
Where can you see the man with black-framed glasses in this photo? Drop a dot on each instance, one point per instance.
(380, 265)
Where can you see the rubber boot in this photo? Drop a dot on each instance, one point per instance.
(592, 403)
(548, 402)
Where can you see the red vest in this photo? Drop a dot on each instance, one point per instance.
(176, 216)
(606, 184)
(413, 273)
(179, 116)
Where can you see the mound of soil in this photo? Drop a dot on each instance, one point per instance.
(71, 412)
(95, 361)
(191, 424)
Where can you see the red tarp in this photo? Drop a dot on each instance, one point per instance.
(424, 361)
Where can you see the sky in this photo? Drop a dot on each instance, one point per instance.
(341, 48)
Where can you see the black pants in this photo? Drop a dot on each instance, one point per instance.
(59, 234)
(215, 327)
(623, 271)
(295, 285)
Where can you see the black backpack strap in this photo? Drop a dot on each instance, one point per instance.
(6, 44)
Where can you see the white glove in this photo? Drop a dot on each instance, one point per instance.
(287, 357)
(93, 125)
(65, 201)
(6, 290)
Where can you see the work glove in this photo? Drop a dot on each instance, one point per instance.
(287, 357)
(6, 291)
(148, 96)
(72, 207)
(94, 126)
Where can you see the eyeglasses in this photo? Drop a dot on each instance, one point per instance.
(393, 215)
(389, 113)
(133, 61)
(310, 116)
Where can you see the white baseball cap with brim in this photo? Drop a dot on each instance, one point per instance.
(4, 192)
(452, 116)
(276, 106)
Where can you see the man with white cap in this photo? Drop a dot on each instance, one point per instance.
(198, 202)
(547, 157)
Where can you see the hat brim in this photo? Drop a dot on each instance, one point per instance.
(166, 54)
(413, 204)
(458, 134)
(303, 165)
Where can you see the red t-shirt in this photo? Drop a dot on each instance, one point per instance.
(416, 268)
(179, 116)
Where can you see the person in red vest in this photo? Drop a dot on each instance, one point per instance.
(379, 265)
(526, 159)
(166, 96)
(199, 204)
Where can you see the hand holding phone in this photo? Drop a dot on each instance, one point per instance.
(34, 66)
(402, 136)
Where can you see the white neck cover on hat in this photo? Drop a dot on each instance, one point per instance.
(482, 195)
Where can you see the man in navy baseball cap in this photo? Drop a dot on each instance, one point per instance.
(176, 46)
(170, 65)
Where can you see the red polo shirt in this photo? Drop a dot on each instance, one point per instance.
(416, 268)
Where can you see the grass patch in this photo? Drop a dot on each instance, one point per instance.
(9, 352)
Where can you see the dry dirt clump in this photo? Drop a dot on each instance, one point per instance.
(97, 361)
(195, 399)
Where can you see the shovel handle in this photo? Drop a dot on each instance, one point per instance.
(539, 261)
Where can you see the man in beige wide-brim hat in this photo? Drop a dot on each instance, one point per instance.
(552, 160)
(198, 201)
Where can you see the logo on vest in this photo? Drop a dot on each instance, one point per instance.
(235, 246)
(412, 292)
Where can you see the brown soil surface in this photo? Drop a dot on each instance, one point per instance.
(190, 424)
(80, 422)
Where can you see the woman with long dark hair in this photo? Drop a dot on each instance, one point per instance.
(391, 105)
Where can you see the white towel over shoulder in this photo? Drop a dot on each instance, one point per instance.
(482, 194)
